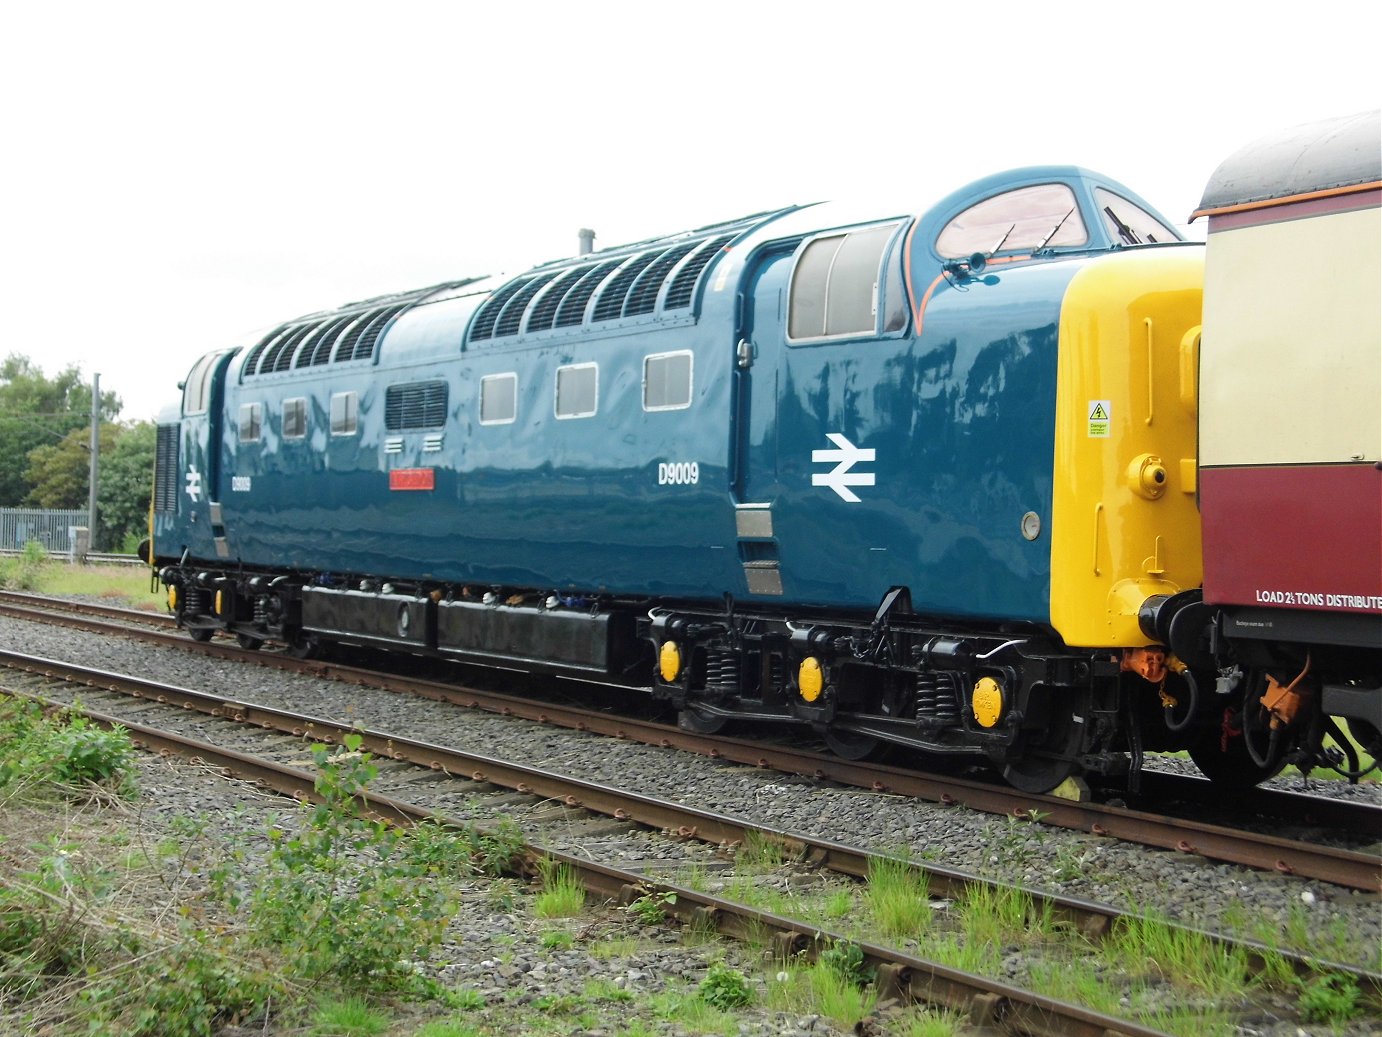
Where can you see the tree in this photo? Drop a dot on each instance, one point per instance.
(59, 474)
(126, 483)
(37, 411)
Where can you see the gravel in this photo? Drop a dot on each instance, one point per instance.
(1181, 886)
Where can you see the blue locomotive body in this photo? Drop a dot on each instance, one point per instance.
(806, 420)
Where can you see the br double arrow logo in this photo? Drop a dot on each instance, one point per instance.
(841, 478)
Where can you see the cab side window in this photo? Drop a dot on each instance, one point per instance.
(345, 413)
(839, 288)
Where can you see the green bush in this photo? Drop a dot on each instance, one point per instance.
(74, 754)
(344, 897)
(24, 572)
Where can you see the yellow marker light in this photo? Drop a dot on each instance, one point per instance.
(220, 601)
(810, 678)
(173, 597)
(987, 701)
(669, 661)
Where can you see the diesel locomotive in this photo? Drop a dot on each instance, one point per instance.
(930, 482)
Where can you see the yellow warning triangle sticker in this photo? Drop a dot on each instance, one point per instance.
(1098, 413)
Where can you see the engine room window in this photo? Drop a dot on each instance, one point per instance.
(345, 413)
(415, 405)
(835, 286)
(251, 422)
(1131, 224)
(294, 418)
(578, 390)
(498, 399)
(1042, 216)
(667, 381)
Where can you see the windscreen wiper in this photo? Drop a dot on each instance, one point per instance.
(1124, 231)
(1054, 229)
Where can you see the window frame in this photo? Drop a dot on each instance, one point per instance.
(512, 378)
(879, 299)
(351, 401)
(556, 392)
(298, 404)
(690, 379)
(251, 418)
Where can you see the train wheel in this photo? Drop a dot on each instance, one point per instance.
(700, 723)
(850, 745)
(1041, 759)
(202, 634)
(304, 646)
(1245, 755)
(248, 643)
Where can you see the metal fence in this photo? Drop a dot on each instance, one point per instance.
(52, 529)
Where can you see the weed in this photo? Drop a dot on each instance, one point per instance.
(562, 894)
(898, 897)
(605, 990)
(650, 908)
(68, 751)
(342, 897)
(351, 1017)
(1179, 955)
(759, 852)
(25, 571)
(446, 1028)
(846, 962)
(558, 940)
(1329, 999)
(839, 995)
(725, 987)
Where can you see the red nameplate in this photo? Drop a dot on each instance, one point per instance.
(413, 479)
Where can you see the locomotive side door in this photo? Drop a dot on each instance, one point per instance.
(758, 353)
(203, 414)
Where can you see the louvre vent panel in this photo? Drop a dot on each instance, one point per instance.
(485, 319)
(284, 360)
(349, 333)
(572, 308)
(317, 348)
(166, 469)
(512, 317)
(642, 296)
(611, 302)
(683, 286)
(364, 345)
(545, 309)
(415, 406)
(252, 360)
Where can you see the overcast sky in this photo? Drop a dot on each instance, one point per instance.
(178, 176)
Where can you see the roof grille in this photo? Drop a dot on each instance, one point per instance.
(280, 358)
(683, 285)
(545, 309)
(414, 406)
(488, 314)
(611, 301)
(643, 295)
(317, 348)
(364, 345)
(572, 308)
(512, 317)
(252, 359)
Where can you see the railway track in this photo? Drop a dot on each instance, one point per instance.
(1306, 858)
(986, 1002)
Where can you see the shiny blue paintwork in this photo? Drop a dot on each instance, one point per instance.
(960, 418)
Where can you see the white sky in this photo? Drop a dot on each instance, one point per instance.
(176, 176)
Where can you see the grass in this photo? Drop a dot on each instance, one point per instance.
(898, 897)
(562, 894)
(128, 584)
